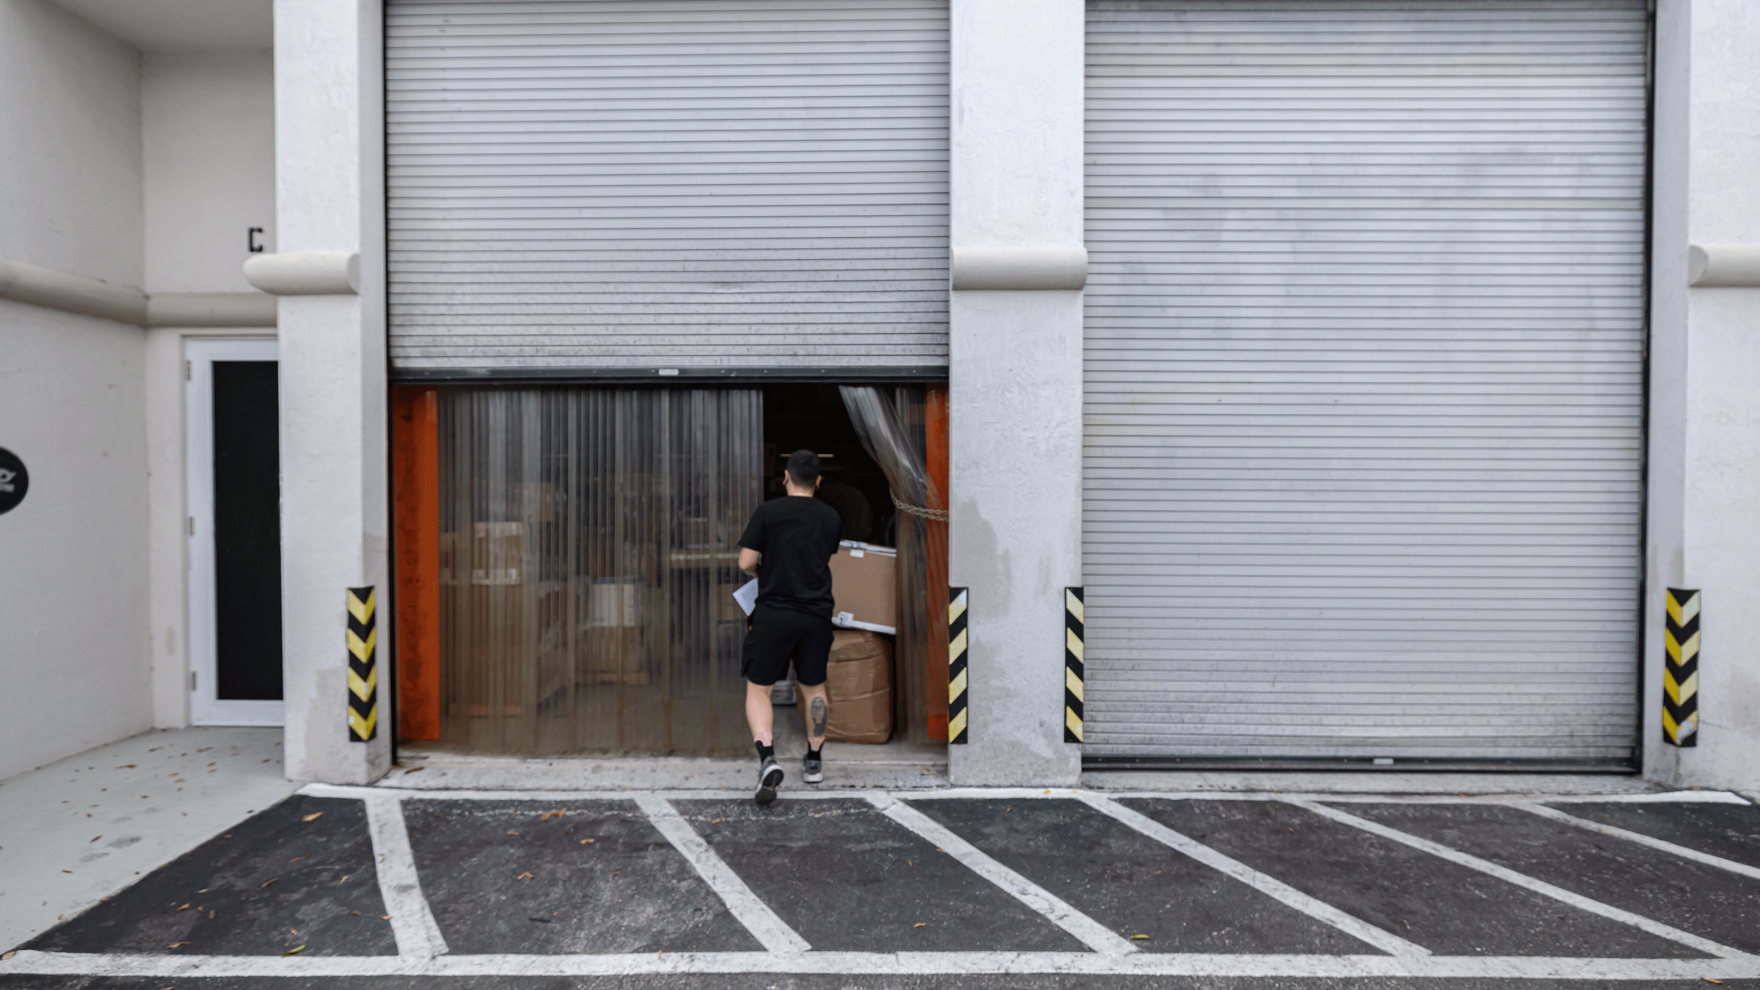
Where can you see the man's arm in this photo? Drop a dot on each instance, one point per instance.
(749, 561)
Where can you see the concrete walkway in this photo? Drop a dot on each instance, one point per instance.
(85, 827)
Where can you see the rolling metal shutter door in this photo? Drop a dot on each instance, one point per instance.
(1364, 370)
(631, 184)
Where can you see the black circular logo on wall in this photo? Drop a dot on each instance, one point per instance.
(14, 480)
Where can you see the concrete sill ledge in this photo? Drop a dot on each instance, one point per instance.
(1723, 266)
(984, 268)
(306, 273)
(35, 285)
(211, 309)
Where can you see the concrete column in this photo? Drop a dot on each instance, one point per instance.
(334, 477)
(1704, 439)
(1015, 389)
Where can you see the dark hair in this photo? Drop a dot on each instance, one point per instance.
(803, 468)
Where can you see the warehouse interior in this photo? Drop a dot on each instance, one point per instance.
(566, 558)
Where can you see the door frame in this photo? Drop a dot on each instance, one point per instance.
(200, 355)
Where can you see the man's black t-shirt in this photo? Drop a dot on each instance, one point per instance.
(797, 536)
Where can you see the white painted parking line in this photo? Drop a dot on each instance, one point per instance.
(1314, 908)
(1665, 797)
(1142, 964)
(359, 793)
(412, 922)
(771, 931)
(1641, 839)
(1009, 793)
(1055, 909)
(1527, 882)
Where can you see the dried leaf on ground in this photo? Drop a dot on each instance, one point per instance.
(313, 816)
(289, 952)
(176, 944)
(523, 876)
(585, 841)
(270, 881)
(921, 924)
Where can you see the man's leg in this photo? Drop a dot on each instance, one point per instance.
(816, 709)
(758, 666)
(811, 666)
(759, 715)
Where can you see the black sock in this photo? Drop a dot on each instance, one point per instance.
(814, 753)
(765, 752)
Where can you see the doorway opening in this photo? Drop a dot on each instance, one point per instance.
(819, 417)
(566, 558)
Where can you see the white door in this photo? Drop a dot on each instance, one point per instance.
(234, 533)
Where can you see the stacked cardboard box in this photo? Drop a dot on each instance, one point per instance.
(864, 581)
(859, 684)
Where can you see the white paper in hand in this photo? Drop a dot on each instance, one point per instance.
(747, 595)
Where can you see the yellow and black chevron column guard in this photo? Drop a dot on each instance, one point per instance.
(1680, 672)
(956, 665)
(1073, 617)
(363, 669)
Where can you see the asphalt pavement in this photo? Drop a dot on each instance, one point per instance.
(383, 888)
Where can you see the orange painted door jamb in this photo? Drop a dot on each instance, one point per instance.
(935, 415)
(415, 484)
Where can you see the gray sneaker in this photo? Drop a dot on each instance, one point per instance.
(769, 778)
(812, 768)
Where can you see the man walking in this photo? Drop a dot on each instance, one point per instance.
(788, 547)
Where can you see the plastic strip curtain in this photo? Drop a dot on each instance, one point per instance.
(588, 559)
(893, 431)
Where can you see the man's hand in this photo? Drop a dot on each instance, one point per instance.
(749, 561)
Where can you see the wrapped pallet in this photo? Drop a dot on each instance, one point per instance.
(858, 681)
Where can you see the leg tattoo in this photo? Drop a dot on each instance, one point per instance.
(816, 709)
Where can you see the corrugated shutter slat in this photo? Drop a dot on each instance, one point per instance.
(1364, 370)
(596, 185)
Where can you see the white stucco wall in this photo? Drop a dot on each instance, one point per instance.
(335, 476)
(1015, 383)
(73, 555)
(208, 134)
(70, 155)
(73, 558)
(1704, 517)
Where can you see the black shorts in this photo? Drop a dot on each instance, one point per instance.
(778, 635)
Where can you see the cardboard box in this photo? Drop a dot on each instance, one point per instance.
(613, 654)
(864, 582)
(858, 681)
(613, 634)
